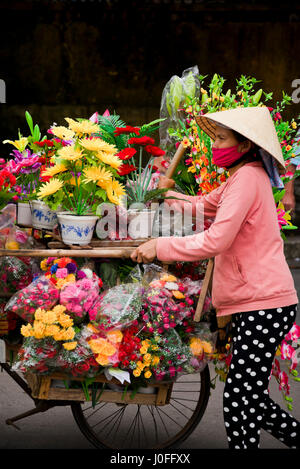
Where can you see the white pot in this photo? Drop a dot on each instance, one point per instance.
(140, 223)
(24, 214)
(76, 229)
(42, 216)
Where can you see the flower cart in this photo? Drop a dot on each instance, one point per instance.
(160, 415)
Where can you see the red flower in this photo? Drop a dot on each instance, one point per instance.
(127, 130)
(126, 154)
(126, 169)
(49, 143)
(155, 151)
(141, 141)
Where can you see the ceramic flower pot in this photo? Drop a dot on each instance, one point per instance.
(76, 229)
(24, 217)
(140, 223)
(42, 216)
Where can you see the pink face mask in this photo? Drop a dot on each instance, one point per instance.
(225, 157)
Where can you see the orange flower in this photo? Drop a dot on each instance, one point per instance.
(178, 294)
(115, 336)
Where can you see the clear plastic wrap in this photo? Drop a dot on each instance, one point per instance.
(39, 293)
(175, 94)
(117, 307)
(37, 356)
(15, 274)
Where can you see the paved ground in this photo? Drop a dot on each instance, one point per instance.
(57, 428)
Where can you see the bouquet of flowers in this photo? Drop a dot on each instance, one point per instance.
(14, 274)
(51, 331)
(117, 307)
(39, 293)
(78, 297)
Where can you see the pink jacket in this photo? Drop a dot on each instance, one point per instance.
(250, 270)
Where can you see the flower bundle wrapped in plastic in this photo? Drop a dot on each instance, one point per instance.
(117, 307)
(15, 274)
(105, 345)
(44, 340)
(77, 358)
(168, 300)
(39, 293)
(79, 297)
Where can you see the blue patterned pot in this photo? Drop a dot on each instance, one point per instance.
(42, 216)
(76, 229)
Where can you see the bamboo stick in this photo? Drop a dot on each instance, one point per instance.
(204, 289)
(99, 252)
(175, 161)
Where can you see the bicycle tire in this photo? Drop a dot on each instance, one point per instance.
(115, 413)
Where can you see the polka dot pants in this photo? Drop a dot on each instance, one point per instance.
(246, 403)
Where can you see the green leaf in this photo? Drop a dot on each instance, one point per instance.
(29, 121)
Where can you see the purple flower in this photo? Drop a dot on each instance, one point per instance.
(71, 267)
(80, 274)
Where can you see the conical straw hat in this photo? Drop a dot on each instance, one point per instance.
(254, 123)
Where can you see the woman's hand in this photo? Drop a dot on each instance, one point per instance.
(145, 253)
(165, 183)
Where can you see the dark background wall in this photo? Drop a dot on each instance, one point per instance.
(74, 57)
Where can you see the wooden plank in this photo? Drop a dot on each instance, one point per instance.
(103, 243)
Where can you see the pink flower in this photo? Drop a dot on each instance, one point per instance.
(294, 333)
(62, 273)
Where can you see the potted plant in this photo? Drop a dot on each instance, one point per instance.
(30, 156)
(84, 175)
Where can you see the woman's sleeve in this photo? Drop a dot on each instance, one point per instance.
(204, 203)
(233, 210)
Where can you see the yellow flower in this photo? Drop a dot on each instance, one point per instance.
(155, 360)
(70, 345)
(178, 294)
(27, 331)
(288, 147)
(97, 144)
(115, 336)
(137, 372)
(70, 278)
(50, 317)
(294, 125)
(49, 188)
(148, 374)
(85, 127)
(62, 132)
(43, 264)
(110, 159)
(51, 330)
(168, 278)
(140, 365)
(185, 142)
(58, 168)
(58, 309)
(147, 357)
(38, 329)
(68, 334)
(143, 350)
(102, 346)
(70, 153)
(39, 314)
(115, 191)
(65, 320)
(102, 359)
(19, 144)
(98, 175)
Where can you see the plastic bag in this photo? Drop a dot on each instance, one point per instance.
(78, 297)
(37, 356)
(117, 307)
(175, 94)
(15, 274)
(39, 293)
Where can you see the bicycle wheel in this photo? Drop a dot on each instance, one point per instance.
(120, 426)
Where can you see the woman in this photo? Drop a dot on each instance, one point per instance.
(251, 281)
